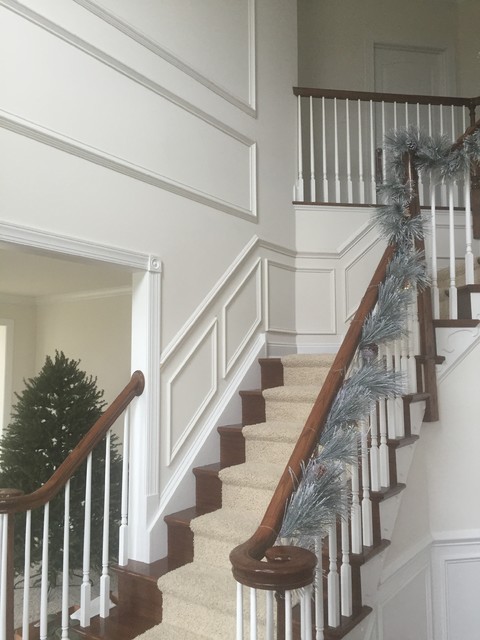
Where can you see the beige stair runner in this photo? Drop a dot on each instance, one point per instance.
(199, 598)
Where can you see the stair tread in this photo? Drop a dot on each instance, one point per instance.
(346, 625)
(169, 632)
(402, 442)
(210, 469)
(227, 524)
(455, 324)
(263, 475)
(144, 570)
(184, 516)
(387, 492)
(230, 428)
(115, 627)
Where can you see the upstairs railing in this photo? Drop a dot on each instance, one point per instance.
(340, 137)
(332, 567)
(14, 502)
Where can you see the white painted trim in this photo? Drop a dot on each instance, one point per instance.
(207, 301)
(256, 269)
(174, 448)
(99, 294)
(213, 418)
(129, 30)
(448, 333)
(333, 311)
(285, 267)
(101, 158)
(67, 246)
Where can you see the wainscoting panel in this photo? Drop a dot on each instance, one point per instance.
(315, 301)
(280, 316)
(358, 273)
(242, 315)
(190, 388)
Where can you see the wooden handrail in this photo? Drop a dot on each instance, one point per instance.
(246, 559)
(375, 96)
(16, 504)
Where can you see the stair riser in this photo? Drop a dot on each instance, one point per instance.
(232, 448)
(288, 411)
(180, 544)
(277, 452)
(208, 491)
(253, 408)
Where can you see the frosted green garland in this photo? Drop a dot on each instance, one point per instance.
(320, 497)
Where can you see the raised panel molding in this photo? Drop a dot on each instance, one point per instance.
(351, 300)
(248, 106)
(272, 305)
(175, 441)
(230, 356)
(58, 140)
(318, 295)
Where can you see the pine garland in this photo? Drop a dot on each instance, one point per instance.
(320, 497)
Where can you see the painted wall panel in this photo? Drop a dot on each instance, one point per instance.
(281, 315)
(315, 301)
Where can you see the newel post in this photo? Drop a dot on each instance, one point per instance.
(7, 556)
(428, 346)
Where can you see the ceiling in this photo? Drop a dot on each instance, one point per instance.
(25, 273)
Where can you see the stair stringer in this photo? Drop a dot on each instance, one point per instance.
(371, 571)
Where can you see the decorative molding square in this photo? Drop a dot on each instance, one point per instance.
(331, 326)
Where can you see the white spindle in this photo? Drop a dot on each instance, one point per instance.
(253, 614)
(383, 449)
(288, 616)
(105, 578)
(3, 579)
(123, 532)
(307, 612)
(300, 189)
(374, 451)
(420, 174)
(313, 187)
(333, 580)
(433, 252)
(443, 188)
(356, 510)
(44, 578)
(361, 179)
(372, 157)
(384, 156)
(367, 522)
(469, 260)
(346, 604)
(452, 291)
(324, 153)
(349, 157)
(453, 136)
(239, 622)
(337, 172)
(407, 122)
(412, 363)
(269, 627)
(66, 562)
(26, 577)
(399, 422)
(319, 608)
(85, 590)
(391, 404)
(395, 121)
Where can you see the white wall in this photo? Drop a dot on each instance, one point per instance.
(468, 48)
(165, 131)
(336, 39)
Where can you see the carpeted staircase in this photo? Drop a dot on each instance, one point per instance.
(199, 598)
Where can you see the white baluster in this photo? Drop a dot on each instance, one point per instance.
(356, 510)
(421, 186)
(469, 260)
(123, 532)
(455, 184)
(346, 571)
(452, 291)
(443, 188)
(391, 405)
(372, 157)
(307, 612)
(333, 580)
(324, 153)
(253, 614)
(367, 521)
(399, 421)
(26, 577)
(374, 451)
(349, 157)
(270, 627)
(412, 363)
(105, 578)
(239, 624)
(66, 562)
(337, 175)
(3, 581)
(433, 250)
(44, 578)
(383, 449)
(406, 116)
(361, 179)
(85, 590)
(395, 116)
(288, 616)
(384, 131)
(319, 609)
(299, 186)
(313, 187)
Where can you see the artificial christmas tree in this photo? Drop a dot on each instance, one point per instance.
(52, 414)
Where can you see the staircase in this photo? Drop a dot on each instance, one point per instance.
(195, 597)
